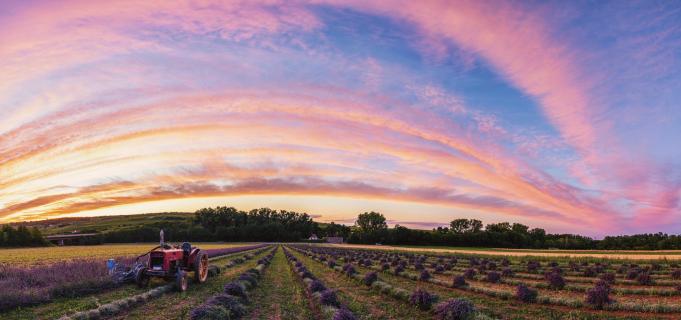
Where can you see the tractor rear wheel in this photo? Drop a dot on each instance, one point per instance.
(141, 278)
(200, 267)
(181, 281)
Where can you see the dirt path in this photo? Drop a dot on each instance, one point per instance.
(671, 255)
(279, 295)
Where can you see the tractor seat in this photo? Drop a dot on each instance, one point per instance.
(186, 249)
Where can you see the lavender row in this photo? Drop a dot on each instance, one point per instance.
(116, 307)
(212, 253)
(27, 286)
(230, 303)
(597, 297)
(331, 307)
(452, 309)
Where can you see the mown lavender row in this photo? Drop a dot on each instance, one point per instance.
(214, 253)
(451, 309)
(331, 308)
(26, 286)
(116, 307)
(229, 304)
(597, 296)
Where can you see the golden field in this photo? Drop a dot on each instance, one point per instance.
(26, 256)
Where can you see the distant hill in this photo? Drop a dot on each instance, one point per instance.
(102, 224)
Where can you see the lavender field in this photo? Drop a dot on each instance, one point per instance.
(33, 285)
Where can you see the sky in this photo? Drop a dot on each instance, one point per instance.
(564, 115)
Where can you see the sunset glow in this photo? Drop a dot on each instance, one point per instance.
(561, 115)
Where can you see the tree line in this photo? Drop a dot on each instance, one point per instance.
(264, 224)
(21, 236)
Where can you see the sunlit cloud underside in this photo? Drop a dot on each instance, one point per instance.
(559, 115)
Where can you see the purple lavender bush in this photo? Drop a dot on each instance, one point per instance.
(422, 299)
(493, 277)
(608, 277)
(459, 282)
(644, 278)
(454, 309)
(676, 274)
(469, 273)
(525, 294)
(237, 290)
(599, 295)
(328, 297)
(316, 286)
(399, 269)
(230, 303)
(555, 281)
(344, 314)
(370, 278)
(26, 286)
(424, 276)
(209, 312)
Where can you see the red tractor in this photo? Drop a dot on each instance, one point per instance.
(173, 263)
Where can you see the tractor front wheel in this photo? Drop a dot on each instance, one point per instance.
(141, 278)
(181, 281)
(201, 267)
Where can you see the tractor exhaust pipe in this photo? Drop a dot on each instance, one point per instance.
(161, 234)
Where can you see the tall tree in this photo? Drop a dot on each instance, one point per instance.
(371, 222)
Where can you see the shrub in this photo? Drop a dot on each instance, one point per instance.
(644, 278)
(555, 281)
(589, 272)
(622, 269)
(331, 263)
(676, 274)
(306, 274)
(608, 277)
(493, 277)
(469, 273)
(439, 269)
(454, 309)
(507, 272)
(316, 286)
(599, 295)
(328, 297)
(369, 278)
(109, 310)
(237, 290)
(348, 269)
(632, 273)
(424, 276)
(248, 278)
(422, 299)
(230, 303)
(399, 269)
(525, 294)
(459, 282)
(343, 314)
(209, 312)
(385, 266)
(533, 266)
